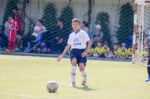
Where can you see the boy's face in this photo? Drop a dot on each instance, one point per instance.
(76, 26)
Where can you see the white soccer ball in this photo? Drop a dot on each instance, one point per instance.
(52, 86)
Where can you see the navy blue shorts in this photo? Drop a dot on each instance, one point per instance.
(77, 53)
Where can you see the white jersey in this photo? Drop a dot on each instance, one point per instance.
(78, 40)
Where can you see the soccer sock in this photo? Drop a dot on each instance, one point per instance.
(84, 75)
(148, 70)
(148, 67)
(73, 73)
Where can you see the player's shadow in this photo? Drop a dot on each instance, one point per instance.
(148, 84)
(86, 88)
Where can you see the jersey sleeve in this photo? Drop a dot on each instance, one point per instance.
(87, 38)
(69, 40)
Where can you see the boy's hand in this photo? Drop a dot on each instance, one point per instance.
(59, 57)
(84, 54)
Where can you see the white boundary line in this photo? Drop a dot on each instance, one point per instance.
(22, 96)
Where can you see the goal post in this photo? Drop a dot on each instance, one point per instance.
(141, 29)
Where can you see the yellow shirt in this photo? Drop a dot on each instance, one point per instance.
(105, 49)
(124, 51)
(129, 51)
(91, 50)
(115, 50)
(119, 51)
(98, 49)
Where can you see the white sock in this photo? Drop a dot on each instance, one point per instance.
(84, 75)
(73, 73)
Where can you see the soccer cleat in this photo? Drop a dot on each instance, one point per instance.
(148, 79)
(83, 83)
(73, 84)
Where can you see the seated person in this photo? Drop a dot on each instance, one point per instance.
(95, 40)
(109, 54)
(91, 51)
(10, 29)
(35, 37)
(98, 50)
(105, 49)
(98, 34)
(38, 30)
(7, 27)
(16, 14)
(60, 39)
(129, 53)
(124, 51)
(118, 52)
(4, 33)
(115, 49)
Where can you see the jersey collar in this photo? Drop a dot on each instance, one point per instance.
(76, 31)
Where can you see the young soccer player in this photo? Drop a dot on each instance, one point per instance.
(148, 64)
(79, 43)
(148, 69)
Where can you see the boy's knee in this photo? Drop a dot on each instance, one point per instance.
(74, 62)
(81, 67)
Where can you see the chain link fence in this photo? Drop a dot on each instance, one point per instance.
(43, 26)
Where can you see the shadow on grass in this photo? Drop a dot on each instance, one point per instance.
(86, 88)
(148, 84)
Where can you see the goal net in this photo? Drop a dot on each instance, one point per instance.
(141, 30)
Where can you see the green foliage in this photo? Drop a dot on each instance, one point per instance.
(25, 2)
(8, 10)
(67, 16)
(49, 17)
(30, 28)
(125, 22)
(102, 18)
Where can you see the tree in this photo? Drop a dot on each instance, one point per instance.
(90, 6)
(102, 18)
(67, 16)
(8, 10)
(49, 17)
(23, 15)
(125, 22)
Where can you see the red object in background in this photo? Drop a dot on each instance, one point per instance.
(18, 24)
(12, 34)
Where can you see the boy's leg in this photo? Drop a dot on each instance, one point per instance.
(148, 71)
(73, 70)
(148, 67)
(83, 73)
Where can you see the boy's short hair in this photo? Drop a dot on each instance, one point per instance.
(76, 20)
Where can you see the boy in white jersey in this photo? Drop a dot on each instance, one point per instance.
(79, 43)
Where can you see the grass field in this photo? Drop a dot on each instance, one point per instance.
(24, 77)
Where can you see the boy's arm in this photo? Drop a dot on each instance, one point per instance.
(67, 48)
(85, 53)
(89, 44)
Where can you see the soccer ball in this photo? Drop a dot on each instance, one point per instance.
(52, 86)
